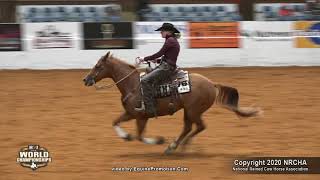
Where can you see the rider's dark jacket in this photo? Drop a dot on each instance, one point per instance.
(170, 50)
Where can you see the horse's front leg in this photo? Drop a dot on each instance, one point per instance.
(141, 124)
(124, 117)
(186, 130)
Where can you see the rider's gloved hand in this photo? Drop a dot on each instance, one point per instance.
(140, 59)
(158, 60)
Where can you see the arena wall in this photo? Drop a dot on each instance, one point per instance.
(257, 44)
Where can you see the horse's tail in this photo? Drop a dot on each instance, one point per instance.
(228, 97)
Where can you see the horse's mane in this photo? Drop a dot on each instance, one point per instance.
(122, 62)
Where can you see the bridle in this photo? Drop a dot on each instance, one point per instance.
(111, 85)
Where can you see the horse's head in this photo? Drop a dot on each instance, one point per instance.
(99, 71)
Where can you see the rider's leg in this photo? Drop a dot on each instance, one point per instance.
(147, 85)
(158, 75)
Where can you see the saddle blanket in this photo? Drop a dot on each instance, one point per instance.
(180, 83)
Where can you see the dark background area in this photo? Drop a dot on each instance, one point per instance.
(10, 37)
(122, 36)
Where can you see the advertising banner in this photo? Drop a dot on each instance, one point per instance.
(274, 43)
(10, 37)
(307, 34)
(146, 30)
(39, 36)
(146, 38)
(108, 35)
(214, 34)
(272, 34)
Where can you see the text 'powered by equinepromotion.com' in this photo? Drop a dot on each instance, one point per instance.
(150, 169)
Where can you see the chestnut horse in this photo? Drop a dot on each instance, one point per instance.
(203, 95)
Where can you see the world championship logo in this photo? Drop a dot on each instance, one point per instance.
(34, 157)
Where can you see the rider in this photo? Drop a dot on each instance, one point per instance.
(169, 54)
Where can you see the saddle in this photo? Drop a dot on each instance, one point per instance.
(179, 83)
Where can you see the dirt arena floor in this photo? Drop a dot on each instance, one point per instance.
(55, 110)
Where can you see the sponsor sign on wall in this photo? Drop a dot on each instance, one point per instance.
(108, 35)
(39, 36)
(307, 34)
(146, 30)
(214, 34)
(266, 34)
(273, 43)
(10, 37)
(262, 44)
(150, 41)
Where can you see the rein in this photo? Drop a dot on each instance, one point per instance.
(111, 85)
(138, 62)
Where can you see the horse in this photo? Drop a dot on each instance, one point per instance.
(203, 95)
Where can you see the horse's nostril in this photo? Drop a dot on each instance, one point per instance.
(84, 80)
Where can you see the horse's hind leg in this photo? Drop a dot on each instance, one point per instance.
(116, 125)
(200, 127)
(141, 124)
(186, 130)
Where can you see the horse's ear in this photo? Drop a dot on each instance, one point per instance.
(106, 56)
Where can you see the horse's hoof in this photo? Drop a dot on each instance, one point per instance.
(186, 142)
(128, 137)
(172, 147)
(160, 140)
(168, 151)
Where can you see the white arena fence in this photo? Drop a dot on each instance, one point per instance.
(73, 45)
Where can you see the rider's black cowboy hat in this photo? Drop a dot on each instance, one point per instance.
(168, 27)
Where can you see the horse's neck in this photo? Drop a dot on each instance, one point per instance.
(121, 70)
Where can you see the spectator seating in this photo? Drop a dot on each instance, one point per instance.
(193, 12)
(70, 13)
(313, 9)
(280, 12)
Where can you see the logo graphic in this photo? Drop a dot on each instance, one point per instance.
(308, 34)
(51, 37)
(107, 30)
(34, 157)
(315, 28)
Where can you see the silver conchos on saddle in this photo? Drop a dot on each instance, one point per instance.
(179, 83)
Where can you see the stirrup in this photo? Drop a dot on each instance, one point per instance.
(140, 109)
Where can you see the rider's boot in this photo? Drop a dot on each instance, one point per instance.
(151, 109)
(140, 109)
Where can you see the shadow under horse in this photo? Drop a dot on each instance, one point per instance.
(203, 95)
